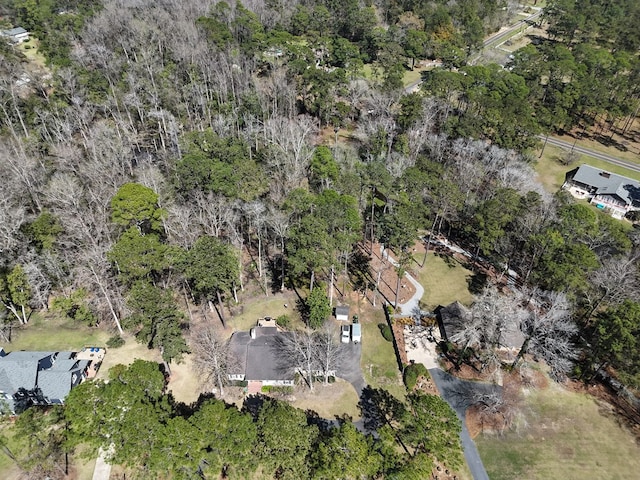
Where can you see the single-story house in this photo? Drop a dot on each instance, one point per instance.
(612, 193)
(257, 360)
(39, 378)
(16, 35)
(454, 317)
(342, 313)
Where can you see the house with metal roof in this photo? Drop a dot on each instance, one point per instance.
(38, 378)
(16, 35)
(612, 193)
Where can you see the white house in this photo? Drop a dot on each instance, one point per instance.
(16, 35)
(612, 193)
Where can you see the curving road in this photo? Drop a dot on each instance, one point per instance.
(592, 153)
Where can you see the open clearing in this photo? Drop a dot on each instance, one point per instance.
(444, 281)
(561, 435)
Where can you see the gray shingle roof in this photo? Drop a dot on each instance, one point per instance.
(55, 384)
(606, 183)
(258, 357)
(31, 370)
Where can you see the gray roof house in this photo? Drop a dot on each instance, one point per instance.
(612, 193)
(38, 378)
(257, 360)
(16, 35)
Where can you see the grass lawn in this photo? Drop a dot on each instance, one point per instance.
(551, 172)
(411, 76)
(271, 306)
(379, 364)
(30, 50)
(562, 435)
(55, 334)
(328, 401)
(444, 281)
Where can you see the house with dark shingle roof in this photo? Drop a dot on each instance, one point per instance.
(257, 360)
(612, 193)
(39, 378)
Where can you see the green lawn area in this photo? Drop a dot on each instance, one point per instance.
(55, 334)
(562, 435)
(379, 364)
(411, 76)
(30, 50)
(444, 281)
(631, 155)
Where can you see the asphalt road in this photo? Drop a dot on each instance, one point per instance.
(497, 37)
(592, 153)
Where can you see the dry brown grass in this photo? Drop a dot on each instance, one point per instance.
(561, 435)
(330, 400)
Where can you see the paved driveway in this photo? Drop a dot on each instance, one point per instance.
(349, 368)
(459, 394)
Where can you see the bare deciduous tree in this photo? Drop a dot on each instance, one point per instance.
(549, 332)
(329, 351)
(211, 357)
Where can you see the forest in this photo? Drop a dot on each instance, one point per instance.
(163, 143)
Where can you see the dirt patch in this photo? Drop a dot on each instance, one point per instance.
(426, 385)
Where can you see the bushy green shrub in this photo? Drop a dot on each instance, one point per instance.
(411, 374)
(283, 321)
(115, 342)
(386, 332)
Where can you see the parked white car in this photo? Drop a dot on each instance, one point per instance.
(345, 333)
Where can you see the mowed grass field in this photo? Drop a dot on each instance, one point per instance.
(444, 281)
(562, 435)
(55, 334)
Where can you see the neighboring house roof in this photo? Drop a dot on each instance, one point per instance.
(52, 373)
(452, 319)
(606, 183)
(342, 310)
(258, 358)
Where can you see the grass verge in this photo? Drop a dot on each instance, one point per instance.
(444, 281)
(561, 435)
